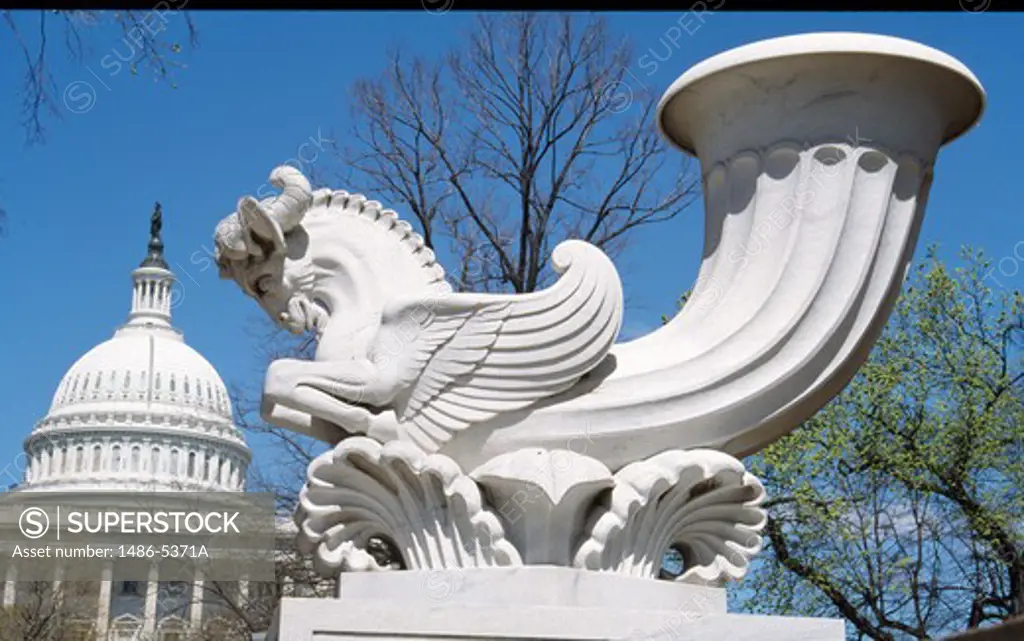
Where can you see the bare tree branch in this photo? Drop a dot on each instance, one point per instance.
(144, 34)
(513, 143)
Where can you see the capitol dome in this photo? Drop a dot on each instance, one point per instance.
(137, 366)
(142, 410)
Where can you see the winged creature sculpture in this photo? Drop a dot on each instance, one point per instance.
(766, 339)
(400, 356)
(807, 239)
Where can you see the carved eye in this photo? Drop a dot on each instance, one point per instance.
(262, 285)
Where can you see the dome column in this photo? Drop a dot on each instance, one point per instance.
(153, 281)
(103, 606)
(58, 580)
(196, 611)
(10, 585)
(152, 586)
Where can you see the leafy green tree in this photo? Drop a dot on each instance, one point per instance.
(900, 505)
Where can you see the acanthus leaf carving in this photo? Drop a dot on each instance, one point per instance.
(702, 502)
(422, 504)
(537, 507)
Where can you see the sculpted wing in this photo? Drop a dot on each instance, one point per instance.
(466, 358)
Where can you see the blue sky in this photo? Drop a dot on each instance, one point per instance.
(262, 85)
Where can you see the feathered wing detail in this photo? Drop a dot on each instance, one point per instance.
(466, 358)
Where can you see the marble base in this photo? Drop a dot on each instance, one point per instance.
(530, 603)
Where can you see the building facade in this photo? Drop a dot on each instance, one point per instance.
(142, 411)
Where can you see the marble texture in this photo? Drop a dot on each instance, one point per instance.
(503, 433)
(531, 603)
(817, 152)
(532, 507)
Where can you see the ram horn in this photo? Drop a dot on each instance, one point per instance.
(273, 218)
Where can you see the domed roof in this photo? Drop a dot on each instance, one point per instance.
(142, 364)
(142, 410)
(147, 361)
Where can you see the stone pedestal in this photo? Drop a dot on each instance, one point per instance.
(530, 603)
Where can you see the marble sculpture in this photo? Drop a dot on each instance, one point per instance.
(482, 430)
